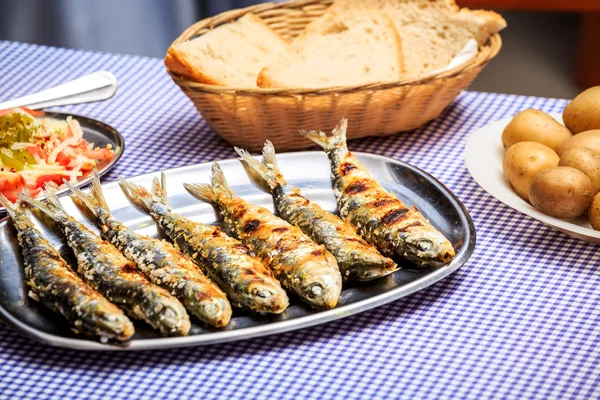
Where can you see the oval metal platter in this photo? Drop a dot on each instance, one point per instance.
(95, 132)
(307, 170)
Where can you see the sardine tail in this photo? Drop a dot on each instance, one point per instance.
(82, 200)
(258, 173)
(11, 208)
(336, 140)
(52, 207)
(202, 191)
(211, 193)
(269, 161)
(137, 195)
(159, 189)
(96, 190)
(220, 185)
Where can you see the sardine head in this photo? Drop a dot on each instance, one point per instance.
(268, 296)
(217, 310)
(320, 282)
(427, 246)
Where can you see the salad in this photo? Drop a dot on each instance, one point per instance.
(36, 151)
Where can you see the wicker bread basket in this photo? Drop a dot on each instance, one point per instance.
(246, 117)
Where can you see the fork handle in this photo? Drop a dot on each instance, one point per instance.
(96, 86)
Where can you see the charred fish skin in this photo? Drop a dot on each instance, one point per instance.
(356, 259)
(301, 265)
(379, 216)
(159, 261)
(57, 287)
(103, 267)
(229, 263)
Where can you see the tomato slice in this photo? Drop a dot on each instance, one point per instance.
(11, 191)
(41, 181)
(62, 159)
(99, 154)
(35, 150)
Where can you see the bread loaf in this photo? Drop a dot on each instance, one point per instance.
(351, 46)
(432, 31)
(230, 55)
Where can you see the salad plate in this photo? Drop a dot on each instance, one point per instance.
(306, 170)
(483, 157)
(99, 133)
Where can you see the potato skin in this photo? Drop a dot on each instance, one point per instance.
(522, 161)
(561, 192)
(587, 139)
(594, 213)
(535, 126)
(583, 112)
(585, 160)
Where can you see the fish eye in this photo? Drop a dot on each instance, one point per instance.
(315, 290)
(424, 245)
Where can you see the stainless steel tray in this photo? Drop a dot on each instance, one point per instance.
(95, 132)
(307, 170)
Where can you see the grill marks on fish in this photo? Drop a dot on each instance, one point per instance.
(109, 272)
(346, 167)
(381, 203)
(393, 216)
(316, 280)
(251, 226)
(57, 287)
(230, 264)
(357, 187)
(356, 259)
(168, 268)
(381, 218)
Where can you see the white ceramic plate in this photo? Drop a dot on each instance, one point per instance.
(483, 157)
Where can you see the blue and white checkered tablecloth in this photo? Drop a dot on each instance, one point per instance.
(519, 321)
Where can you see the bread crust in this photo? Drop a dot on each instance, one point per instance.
(180, 66)
(176, 61)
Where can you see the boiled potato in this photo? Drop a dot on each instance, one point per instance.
(535, 126)
(585, 160)
(561, 192)
(587, 139)
(594, 213)
(523, 160)
(583, 112)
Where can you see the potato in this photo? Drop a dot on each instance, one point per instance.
(535, 126)
(594, 213)
(587, 139)
(583, 112)
(561, 192)
(585, 160)
(523, 160)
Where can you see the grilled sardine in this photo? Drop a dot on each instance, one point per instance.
(357, 259)
(379, 216)
(109, 272)
(228, 262)
(159, 260)
(301, 265)
(56, 286)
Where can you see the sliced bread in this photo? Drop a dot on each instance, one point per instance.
(352, 46)
(230, 55)
(432, 31)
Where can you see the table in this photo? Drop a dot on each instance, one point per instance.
(518, 321)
